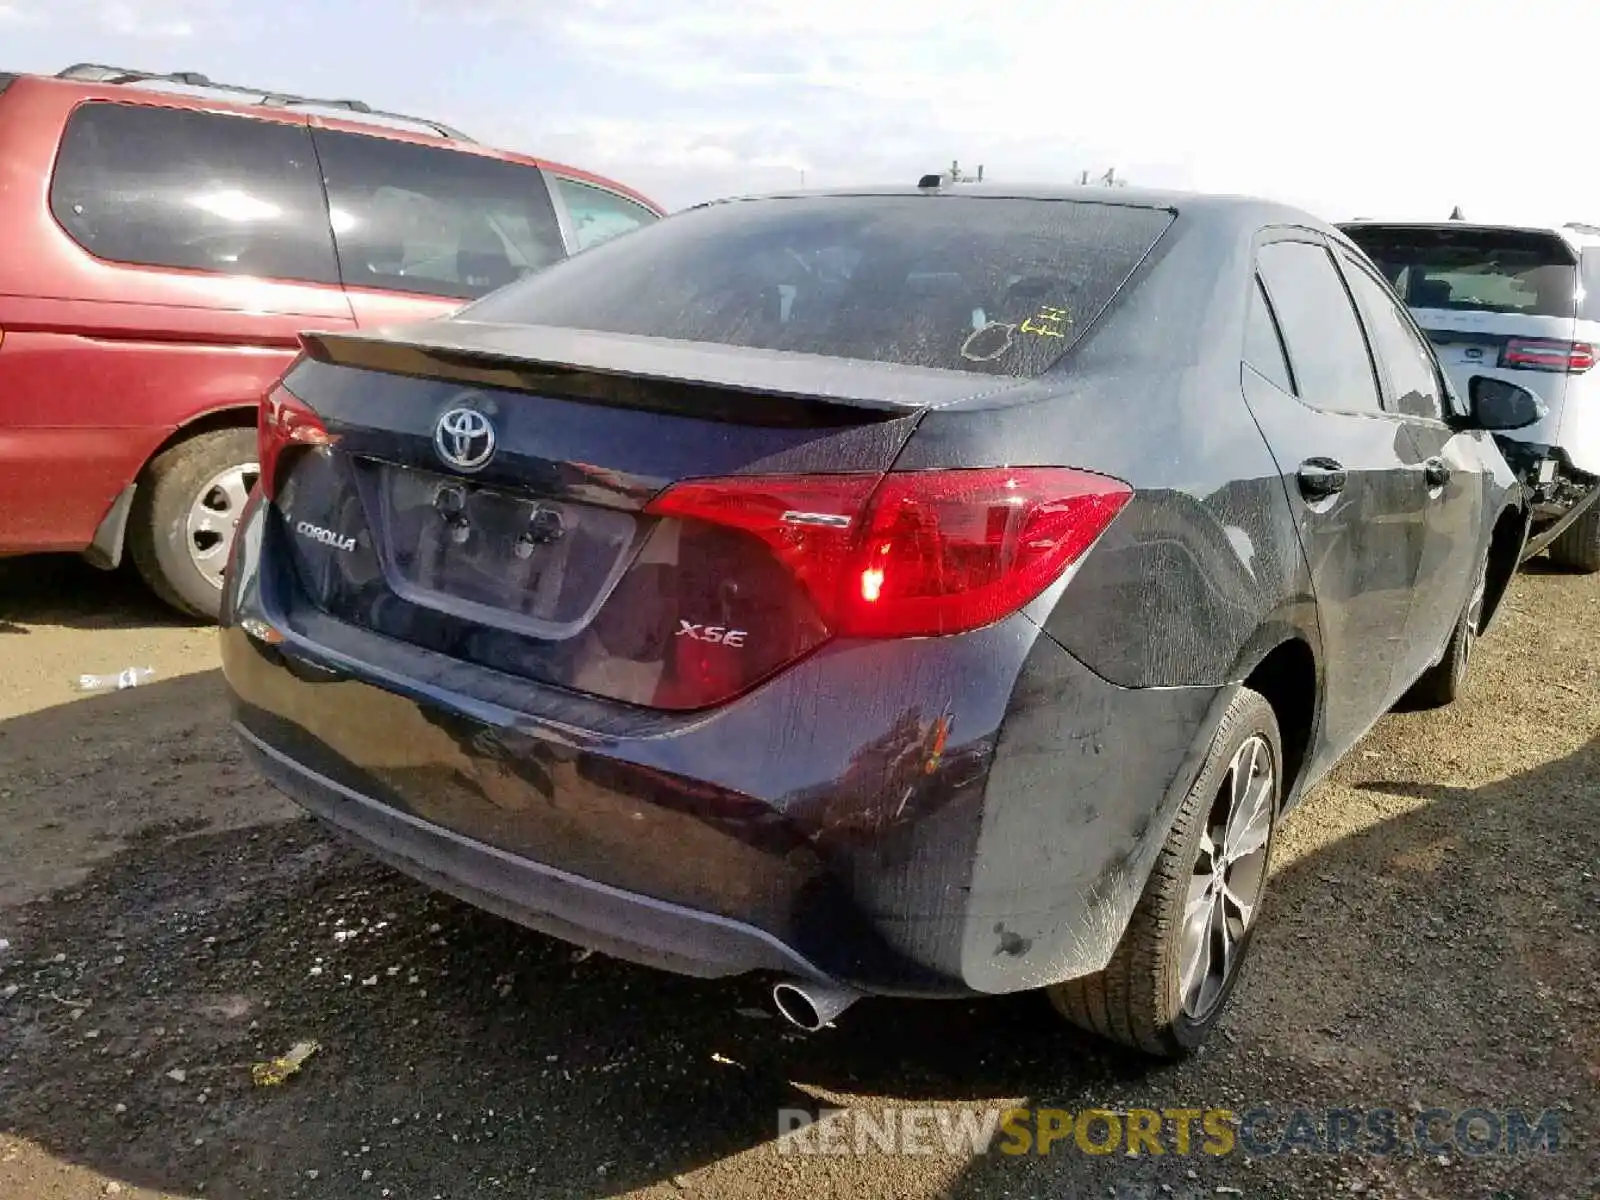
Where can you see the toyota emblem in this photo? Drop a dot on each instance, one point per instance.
(464, 439)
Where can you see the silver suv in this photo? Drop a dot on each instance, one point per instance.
(1523, 305)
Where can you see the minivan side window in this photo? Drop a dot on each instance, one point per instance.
(598, 215)
(414, 218)
(1413, 382)
(1263, 349)
(172, 187)
(1326, 347)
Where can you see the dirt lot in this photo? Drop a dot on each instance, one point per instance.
(1433, 940)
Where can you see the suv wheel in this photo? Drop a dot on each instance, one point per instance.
(185, 513)
(1186, 942)
(1578, 547)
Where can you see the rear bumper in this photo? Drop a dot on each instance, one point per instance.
(930, 817)
(623, 924)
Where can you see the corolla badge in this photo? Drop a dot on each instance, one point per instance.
(328, 537)
(464, 438)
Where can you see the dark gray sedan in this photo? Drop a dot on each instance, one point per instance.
(924, 592)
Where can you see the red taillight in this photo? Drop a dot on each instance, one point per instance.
(284, 421)
(1548, 354)
(951, 550)
(914, 554)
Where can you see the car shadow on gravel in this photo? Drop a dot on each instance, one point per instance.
(198, 933)
(461, 1055)
(455, 1047)
(61, 589)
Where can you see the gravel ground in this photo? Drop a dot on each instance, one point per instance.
(1432, 940)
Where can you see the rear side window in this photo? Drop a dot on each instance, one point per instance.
(1407, 361)
(413, 218)
(1589, 300)
(1326, 347)
(1263, 349)
(598, 215)
(170, 187)
(1474, 270)
(995, 285)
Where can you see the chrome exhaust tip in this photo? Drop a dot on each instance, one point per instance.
(810, 1006)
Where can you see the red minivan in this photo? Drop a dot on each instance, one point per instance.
(166, 238)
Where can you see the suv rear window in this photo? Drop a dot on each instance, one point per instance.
(412, 218)
(1475, 270)
(995, 285)
(170, 187)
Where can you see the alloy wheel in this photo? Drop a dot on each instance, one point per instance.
(214, 518)
(1474, 616)
(1229, 874)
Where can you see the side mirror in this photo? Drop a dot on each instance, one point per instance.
(1499, 406)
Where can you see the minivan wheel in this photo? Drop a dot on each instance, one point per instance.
(184, 515)
(1578, 547)
(1444, 682)
(1181, 955)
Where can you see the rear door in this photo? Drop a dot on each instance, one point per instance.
(187, 250)
(422, 230)
(1349, 468)
(1451, 463)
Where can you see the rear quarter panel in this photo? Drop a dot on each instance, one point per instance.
(1205, 556)
(1195, 581)
(1579, 430)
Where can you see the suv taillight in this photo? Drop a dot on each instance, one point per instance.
(1548, 354)
(915, 554)
(285, 421)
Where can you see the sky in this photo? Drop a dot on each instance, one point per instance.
(1384, 108)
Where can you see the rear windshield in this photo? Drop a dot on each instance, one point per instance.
(1475, 270)
(1003, 286)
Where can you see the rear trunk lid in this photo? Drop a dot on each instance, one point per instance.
(485, 493)
(510, 487)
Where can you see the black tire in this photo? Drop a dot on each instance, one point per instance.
(1137, 1000)
(158, 536)
(1578, 547)
(1443, 683)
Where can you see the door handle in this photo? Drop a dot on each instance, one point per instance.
(1437, 472)
(1320, 478)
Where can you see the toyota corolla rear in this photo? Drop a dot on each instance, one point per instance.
(604, 606)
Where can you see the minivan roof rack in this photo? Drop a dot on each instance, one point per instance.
(101, 73)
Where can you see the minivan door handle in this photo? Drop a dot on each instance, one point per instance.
(1320, 478)
(1437, 472)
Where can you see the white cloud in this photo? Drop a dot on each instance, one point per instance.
(1361, 105)
(144, 19)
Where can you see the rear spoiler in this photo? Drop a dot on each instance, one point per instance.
(697, 378)
(1526, 234)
